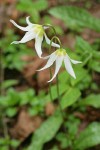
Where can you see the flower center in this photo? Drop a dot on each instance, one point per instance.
(61, 52)
(39, 29)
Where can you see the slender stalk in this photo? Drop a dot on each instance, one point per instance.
(58, 93)
(50, 86)
(1, 73)
(48, 25)
(4, 125)
(50, 82)
(61, 110)
(55, 38)
(5, 130)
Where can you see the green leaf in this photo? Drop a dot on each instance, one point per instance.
(4, 148)
(28, 6)
(26, 96)
(95, 65)
(83, 46)
(8, 83)
(91, 100)
(14, 143)
(64, 141)
(46, 131)
(11, 111)
(89, 137)
(75, 17)
(70, 97)
(80, 75)
(88, 54)
(11, 98)
(32, 8)
(64, 77)
(55, 148)
(62, 88)
(72, 125)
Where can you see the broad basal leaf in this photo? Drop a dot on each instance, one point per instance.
(62, 88)
(80, 75)
(46, 131)
(83, 46)
(88, 138)
(76, 17)
(70, 97)
(91, 100)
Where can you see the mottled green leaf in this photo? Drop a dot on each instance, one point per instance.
(91, 100)
(46, 131)
(80, 75)
(75, 17)
(8, 83)
(83, 46)
(95, 65)
(70, 97)
(88, 138)
(62, 88)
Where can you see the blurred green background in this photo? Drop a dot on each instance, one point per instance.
(29, 120)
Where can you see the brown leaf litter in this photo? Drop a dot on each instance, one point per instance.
(25, 125)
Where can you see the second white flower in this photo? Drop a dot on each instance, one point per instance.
(59, 56)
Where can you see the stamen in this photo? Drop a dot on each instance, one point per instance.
(61, 52)
(39, 29)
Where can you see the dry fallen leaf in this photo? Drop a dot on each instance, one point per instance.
(31, 68)
(25, 125)
(49, 109)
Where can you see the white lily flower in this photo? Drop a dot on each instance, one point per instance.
(33, 31)
(59, 56)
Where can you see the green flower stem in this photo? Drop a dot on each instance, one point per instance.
(55, 38)
(50, 26)
(59, 97)
(50, 86)
(50, 82)
(2, 73)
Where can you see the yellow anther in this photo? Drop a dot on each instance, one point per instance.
(61, 52)
(39, 29)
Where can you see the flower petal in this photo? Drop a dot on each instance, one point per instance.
(27, 37)
(68, 66)
(46, 57)
(58, 65)
(48, 42)
(28, 22)
(74, 61)
(20, 27)
(45, 27)
(38, 43)
(49, 62)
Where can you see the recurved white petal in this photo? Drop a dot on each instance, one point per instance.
(46, 57)
(49, 62)
(48, 41)
(68, 66)
(45, 27)
(58, 65)
(27, 37)
(28, 22)
(75, 61)
(20, 27)
(38, 44)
